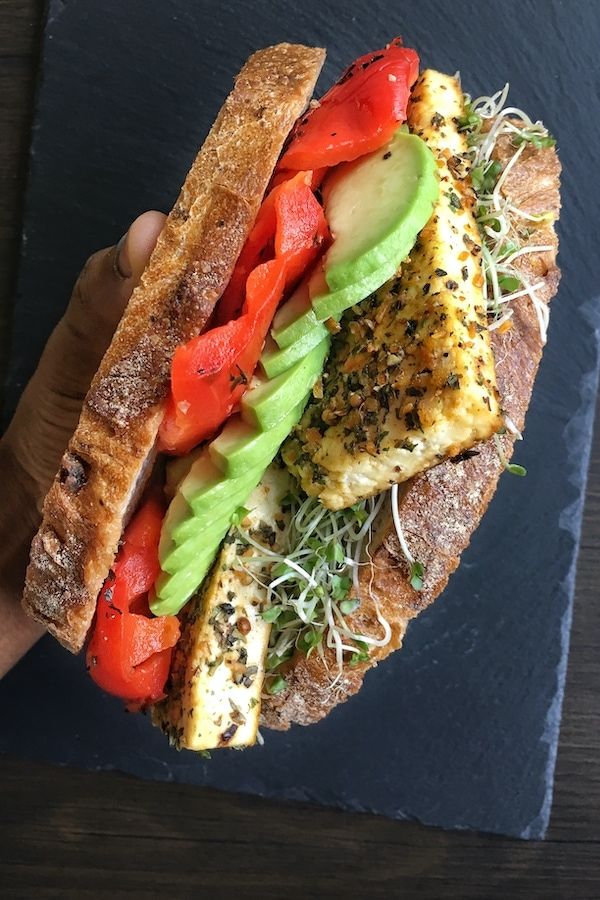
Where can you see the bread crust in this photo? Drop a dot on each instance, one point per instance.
(111, 453)
(441, 508)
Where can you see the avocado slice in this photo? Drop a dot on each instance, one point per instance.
(266, 404)
(201, 544)
(298, 329)
(274, 361)
(205, 486)
(203, 491)
(333, 304)
(231, 493)
(242, 453)
(189, 542)
(172, 591)
(177, 468)
(181, 521)
(295, 318)
(240, 447)
(178, 512)
(375, 208)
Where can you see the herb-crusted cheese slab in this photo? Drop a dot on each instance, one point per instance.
(219, 666)
(412, 380)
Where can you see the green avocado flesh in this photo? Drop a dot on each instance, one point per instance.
(190, 541)
(209, 509)
(205, 486)
(196, 536)
(274, 361)
(295, 318)
(298, 329)
(171, 592)
(212, 509)
(199, 547)
(375, 208)
(187, 561)
(333, 304)
(265, 405)
(178, 467)
(240, 447)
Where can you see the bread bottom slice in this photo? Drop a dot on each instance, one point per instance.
(440, 509)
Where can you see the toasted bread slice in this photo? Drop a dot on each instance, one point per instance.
(111, 453)
(441, 508)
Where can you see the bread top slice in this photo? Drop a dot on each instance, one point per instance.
(112, 451)
(441, 508)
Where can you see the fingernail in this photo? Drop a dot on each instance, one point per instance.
(121, 263)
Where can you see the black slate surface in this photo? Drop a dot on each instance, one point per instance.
(460, 728)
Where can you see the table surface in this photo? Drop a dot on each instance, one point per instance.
(73, 834)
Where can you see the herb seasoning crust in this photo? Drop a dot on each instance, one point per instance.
(410, 380)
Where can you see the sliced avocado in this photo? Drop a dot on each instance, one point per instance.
(334, 303)
(375, 208)
(295, 318)
(297, 329)
(242, 454)
(275, 361)
(205, 484)
(268, 403)
(206, 511)
(178, 467)
(199, 546)
(204, 490)
(194, 524)
(240, 447)
(190, 541)
(202, 476)
(172, 591)
(179, 511)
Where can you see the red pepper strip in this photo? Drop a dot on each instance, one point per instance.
(301, 226)
(210, 374)
(129, 653)
(258, 248)
(275, 217)
(358, 114)
(213, 371)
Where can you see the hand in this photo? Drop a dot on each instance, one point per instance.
(47, 414)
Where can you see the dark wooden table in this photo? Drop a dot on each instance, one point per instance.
(72, 834)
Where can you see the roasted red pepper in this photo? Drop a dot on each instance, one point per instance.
(210, 373)
(290, 223)
(129, 653)
(359, 114)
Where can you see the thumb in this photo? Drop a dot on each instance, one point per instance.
(97, 303)
(49, 409)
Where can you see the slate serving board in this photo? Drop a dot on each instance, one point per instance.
(459, 729)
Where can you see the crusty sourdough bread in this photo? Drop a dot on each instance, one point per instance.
(440, 509)
(111, 452)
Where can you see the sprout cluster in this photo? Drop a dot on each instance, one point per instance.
(504, 227)
(313, 584)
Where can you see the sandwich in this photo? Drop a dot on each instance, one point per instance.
(310, 398)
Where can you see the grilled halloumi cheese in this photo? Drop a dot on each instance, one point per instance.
(219, 663)
(410, 380)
